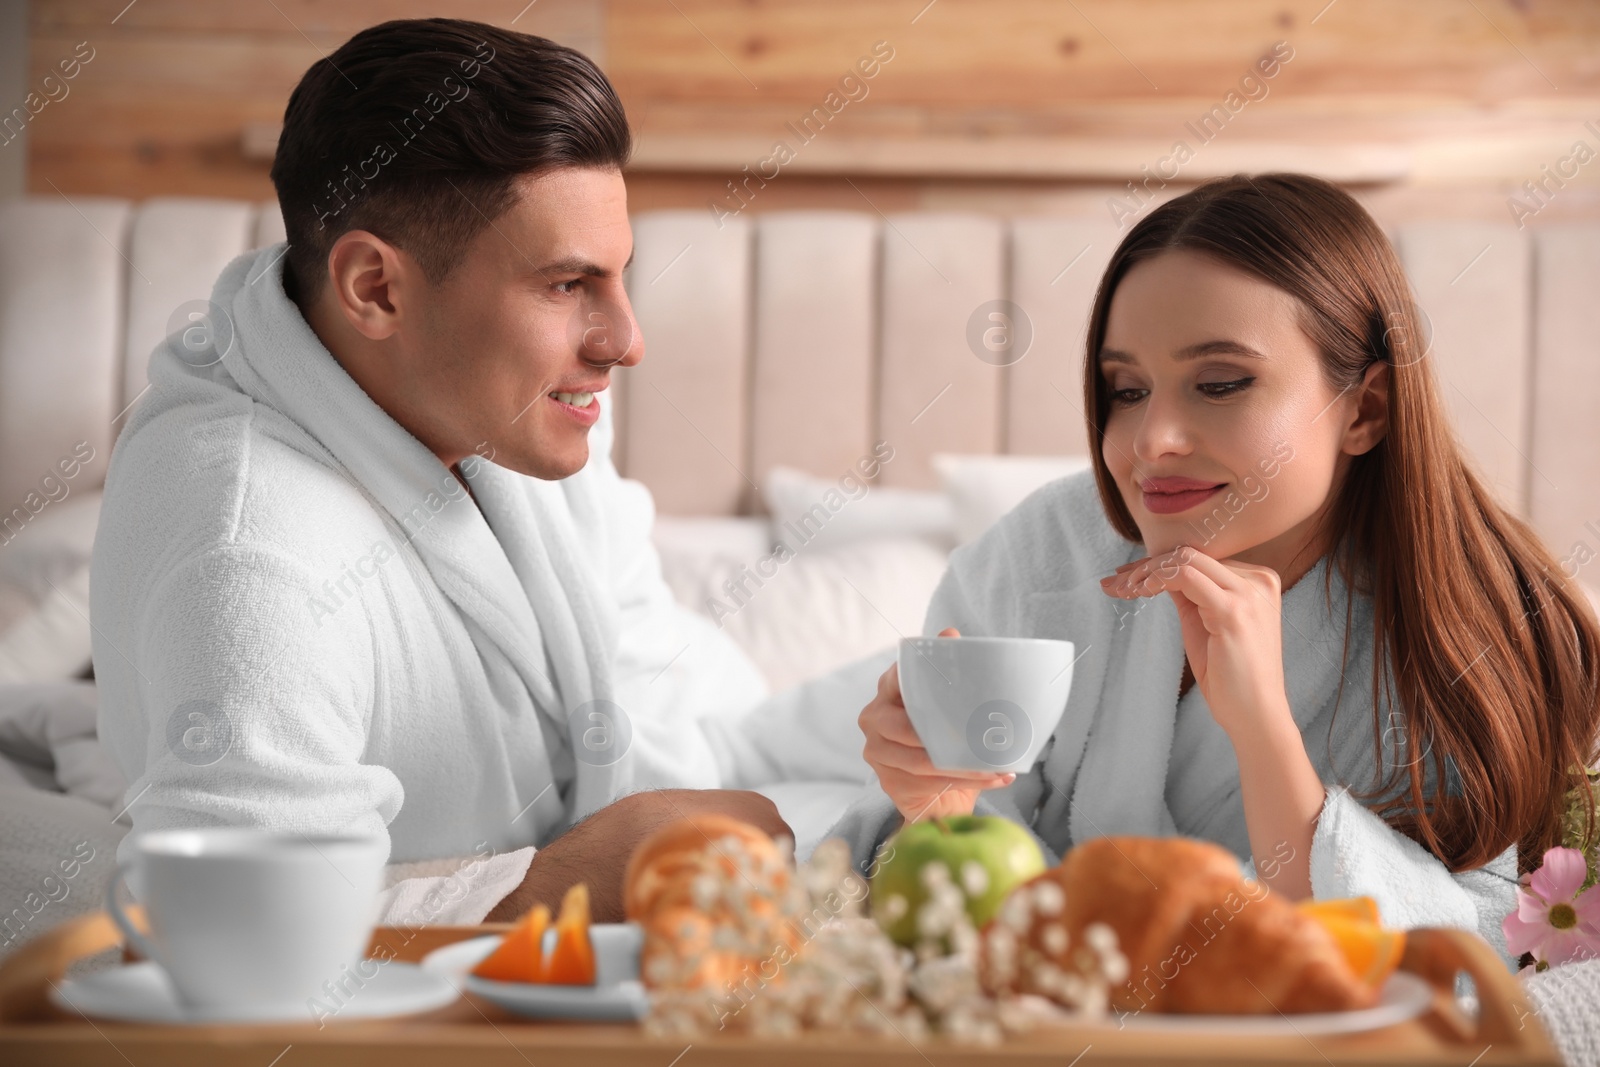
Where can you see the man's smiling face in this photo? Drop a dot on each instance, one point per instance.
(508, 356)
(501, 343)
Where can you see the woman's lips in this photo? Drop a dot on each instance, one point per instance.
(1172, 503)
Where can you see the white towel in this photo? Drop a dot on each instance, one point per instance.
(303, 622)
(1130, 758)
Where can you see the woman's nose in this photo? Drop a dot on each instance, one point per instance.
(1162, 430)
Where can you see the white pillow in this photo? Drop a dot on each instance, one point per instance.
(982, 488)
(801, 614)
(44, 592)
(693, 548)
(822, 610)
(811, 513)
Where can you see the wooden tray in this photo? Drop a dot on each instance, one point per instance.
(34, 1031)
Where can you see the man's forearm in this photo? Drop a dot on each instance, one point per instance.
(556, 868)
(597, 849)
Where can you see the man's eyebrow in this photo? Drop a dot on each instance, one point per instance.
(1194, 351)
(579, 265)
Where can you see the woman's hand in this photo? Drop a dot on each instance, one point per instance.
(1232, 616)
(904, 770)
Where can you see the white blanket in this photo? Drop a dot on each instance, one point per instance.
(302, 620)
(1566, 1001)
(1129, 757)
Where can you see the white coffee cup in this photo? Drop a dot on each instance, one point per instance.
(250, 923)
(985, 703)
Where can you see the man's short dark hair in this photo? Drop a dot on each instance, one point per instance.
(417, 130)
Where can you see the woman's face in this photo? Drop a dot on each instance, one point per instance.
(1222, 433)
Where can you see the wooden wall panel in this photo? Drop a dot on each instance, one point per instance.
(1450, 94)
(1031, 57)
(162, 107)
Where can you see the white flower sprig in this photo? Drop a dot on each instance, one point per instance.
(814, 960)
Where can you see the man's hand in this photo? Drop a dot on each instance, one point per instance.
(597, 849)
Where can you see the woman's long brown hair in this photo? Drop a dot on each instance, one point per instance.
(1495, 653)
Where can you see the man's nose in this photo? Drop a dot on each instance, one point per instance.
(611, 336)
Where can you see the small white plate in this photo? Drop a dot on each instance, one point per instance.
(1404, 996)
(616, 996)
(140, 993)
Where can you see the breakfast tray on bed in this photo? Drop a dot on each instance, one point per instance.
(471, 1030)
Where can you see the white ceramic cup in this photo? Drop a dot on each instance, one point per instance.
(250, 923)
(985, 703)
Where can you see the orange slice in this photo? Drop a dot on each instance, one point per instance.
(1363, 909)
(571, 962)
(1372, 952)
(520, 957)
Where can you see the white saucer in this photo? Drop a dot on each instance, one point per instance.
(616, 996)
(140, 993)
(1404, 996)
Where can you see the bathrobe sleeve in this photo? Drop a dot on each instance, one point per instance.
(1355, 853)
(254, 711)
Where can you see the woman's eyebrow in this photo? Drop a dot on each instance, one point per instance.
(1194, 351)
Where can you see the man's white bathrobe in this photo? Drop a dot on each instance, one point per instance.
(1130, 757)
(303, 621)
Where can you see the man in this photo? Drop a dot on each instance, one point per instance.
(364, 562)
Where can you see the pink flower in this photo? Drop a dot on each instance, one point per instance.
(1553, 920)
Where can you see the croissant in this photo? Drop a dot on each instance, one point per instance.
(1198, 937)
(707, 891)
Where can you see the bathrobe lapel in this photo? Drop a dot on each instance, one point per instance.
(1118, 789)
(534, 525)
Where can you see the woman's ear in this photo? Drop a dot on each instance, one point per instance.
(1371, 421)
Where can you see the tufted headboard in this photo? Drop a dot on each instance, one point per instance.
(801, 338)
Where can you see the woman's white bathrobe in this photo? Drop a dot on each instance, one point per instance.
(302, 621)
(1130, 757)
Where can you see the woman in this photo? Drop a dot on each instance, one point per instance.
(1278, 508)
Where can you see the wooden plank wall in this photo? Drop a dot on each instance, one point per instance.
(1463, 101)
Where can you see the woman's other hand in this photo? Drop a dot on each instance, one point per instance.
(904, 770)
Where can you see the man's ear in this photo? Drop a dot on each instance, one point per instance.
(1371, 420)
(370, 281)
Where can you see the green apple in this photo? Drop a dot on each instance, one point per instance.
(1005, 853)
